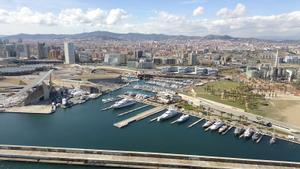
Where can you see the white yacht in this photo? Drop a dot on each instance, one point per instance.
(123, 103)
(183, 118)
(216, 125)
(238, 131)
(208, 123)
(223, 128)
(248, 132)
(171, 112)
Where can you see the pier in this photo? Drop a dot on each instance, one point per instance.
(226, 131)
(131, 159)
(140, 116)
(130, 111)
(196, 122)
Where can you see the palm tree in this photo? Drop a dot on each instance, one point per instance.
(240, 118)
(221, 113)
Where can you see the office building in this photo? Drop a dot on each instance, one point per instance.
(42, 51)
(69, 53)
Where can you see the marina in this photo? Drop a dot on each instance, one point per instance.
(108, 119)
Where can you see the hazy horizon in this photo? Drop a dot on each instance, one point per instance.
(237, 18)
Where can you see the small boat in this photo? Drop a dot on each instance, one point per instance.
(171, 112)
(248, 132)
(183, 118)
(208, 123)
(216, 125)
(238, 131)
(272, 140)
(65, 103)
(123, 103)
(107, 100)
(93, 95)
(223, 128)
(256, 136)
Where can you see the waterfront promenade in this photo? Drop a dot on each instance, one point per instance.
(239, 112)
(131, 159)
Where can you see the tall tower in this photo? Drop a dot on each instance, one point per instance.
(69, 53)
(276, 59)
(42, 51)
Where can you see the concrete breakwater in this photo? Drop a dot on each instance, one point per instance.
(130, 159)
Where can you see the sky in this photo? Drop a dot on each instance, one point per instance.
(239, 18)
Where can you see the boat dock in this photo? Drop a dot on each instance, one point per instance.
(130, 111)
(153, 119)
(226, 131)
(258, 140)
(140, 116)
(191, 125)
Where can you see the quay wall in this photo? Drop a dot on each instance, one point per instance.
(130, 158)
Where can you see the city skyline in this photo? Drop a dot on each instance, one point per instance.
(177, 17)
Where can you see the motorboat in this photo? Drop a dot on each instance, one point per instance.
(216, 125)
(93, 95)
(208, 123)
(238, 131)
(171, 112)
(256, 136)
(223, 128)
(183, 118)
(123, 103)
(107, 100)
(248, 132)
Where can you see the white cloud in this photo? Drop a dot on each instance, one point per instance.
(115, 15)
(78, 16)
(198, 11)
(76, 20)
(287, 24)
(239, 11)
(66, 17)
(27, 16)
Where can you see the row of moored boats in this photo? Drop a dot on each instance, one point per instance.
(240, 132)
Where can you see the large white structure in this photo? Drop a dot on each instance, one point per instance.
(114, 59)
(69, 53)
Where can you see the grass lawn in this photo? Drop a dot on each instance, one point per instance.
(218, 85)
(226, 85)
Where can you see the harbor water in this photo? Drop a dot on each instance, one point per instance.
(86, 126)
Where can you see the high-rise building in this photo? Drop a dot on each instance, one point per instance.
(276, 59)
(69, 53)
(10, 50)
(192, 59)
(138, 54)
(42, 51)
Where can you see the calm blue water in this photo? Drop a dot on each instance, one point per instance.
(86, 126)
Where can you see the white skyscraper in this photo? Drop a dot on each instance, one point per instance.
(69, 53)
(276, 60)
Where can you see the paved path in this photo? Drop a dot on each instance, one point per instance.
(132, 159)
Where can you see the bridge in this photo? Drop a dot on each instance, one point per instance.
(37, 81)
(131, 159)
(43, 91)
